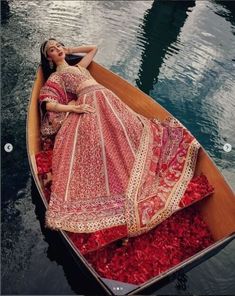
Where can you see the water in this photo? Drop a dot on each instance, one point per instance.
(182, 54)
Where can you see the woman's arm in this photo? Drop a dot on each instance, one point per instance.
(80, 49)
(86, 60)
(90, 51)
(56, 107)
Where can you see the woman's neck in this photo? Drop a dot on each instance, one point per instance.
(61, 65)
(63, 62)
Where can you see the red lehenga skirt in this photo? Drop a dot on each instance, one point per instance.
(117, 174)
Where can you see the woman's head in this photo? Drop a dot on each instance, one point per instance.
(52, 53)
(53, 50)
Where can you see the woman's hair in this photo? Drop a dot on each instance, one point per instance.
(44, 61)
(47, 71)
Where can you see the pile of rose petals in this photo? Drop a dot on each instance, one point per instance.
(198, 188)
(44, 161)
(88, 242)
(142, 257)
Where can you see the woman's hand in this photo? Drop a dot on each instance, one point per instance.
(83, 108)
(67, 50)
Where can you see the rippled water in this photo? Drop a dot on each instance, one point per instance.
(181, 53)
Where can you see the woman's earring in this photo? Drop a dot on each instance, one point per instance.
(51, 64)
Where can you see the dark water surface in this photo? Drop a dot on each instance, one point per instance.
(181, 53)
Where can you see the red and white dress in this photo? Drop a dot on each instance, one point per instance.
(113, 171)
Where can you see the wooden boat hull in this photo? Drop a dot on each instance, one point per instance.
(219, 207)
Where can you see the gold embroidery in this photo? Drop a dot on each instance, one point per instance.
(132, 217)
(69, 219)
(57, 223)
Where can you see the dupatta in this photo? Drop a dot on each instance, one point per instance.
(53, 91)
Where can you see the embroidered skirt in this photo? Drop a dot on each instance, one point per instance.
(116, 169)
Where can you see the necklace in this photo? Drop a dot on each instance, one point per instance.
(62, 66)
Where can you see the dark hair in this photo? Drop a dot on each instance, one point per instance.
(45, 62)
(47, 71)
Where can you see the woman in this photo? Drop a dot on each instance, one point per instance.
(114, 171)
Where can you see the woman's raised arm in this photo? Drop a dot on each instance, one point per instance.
(79, 49)
(90, 51)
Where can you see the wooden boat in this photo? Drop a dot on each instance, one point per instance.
(218, 211)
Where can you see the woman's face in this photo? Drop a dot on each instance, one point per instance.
(55, 52)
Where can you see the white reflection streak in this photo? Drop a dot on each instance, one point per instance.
(77, 4)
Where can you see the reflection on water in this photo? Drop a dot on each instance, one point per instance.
(5, 11)
(162, 17)
(181, 53)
